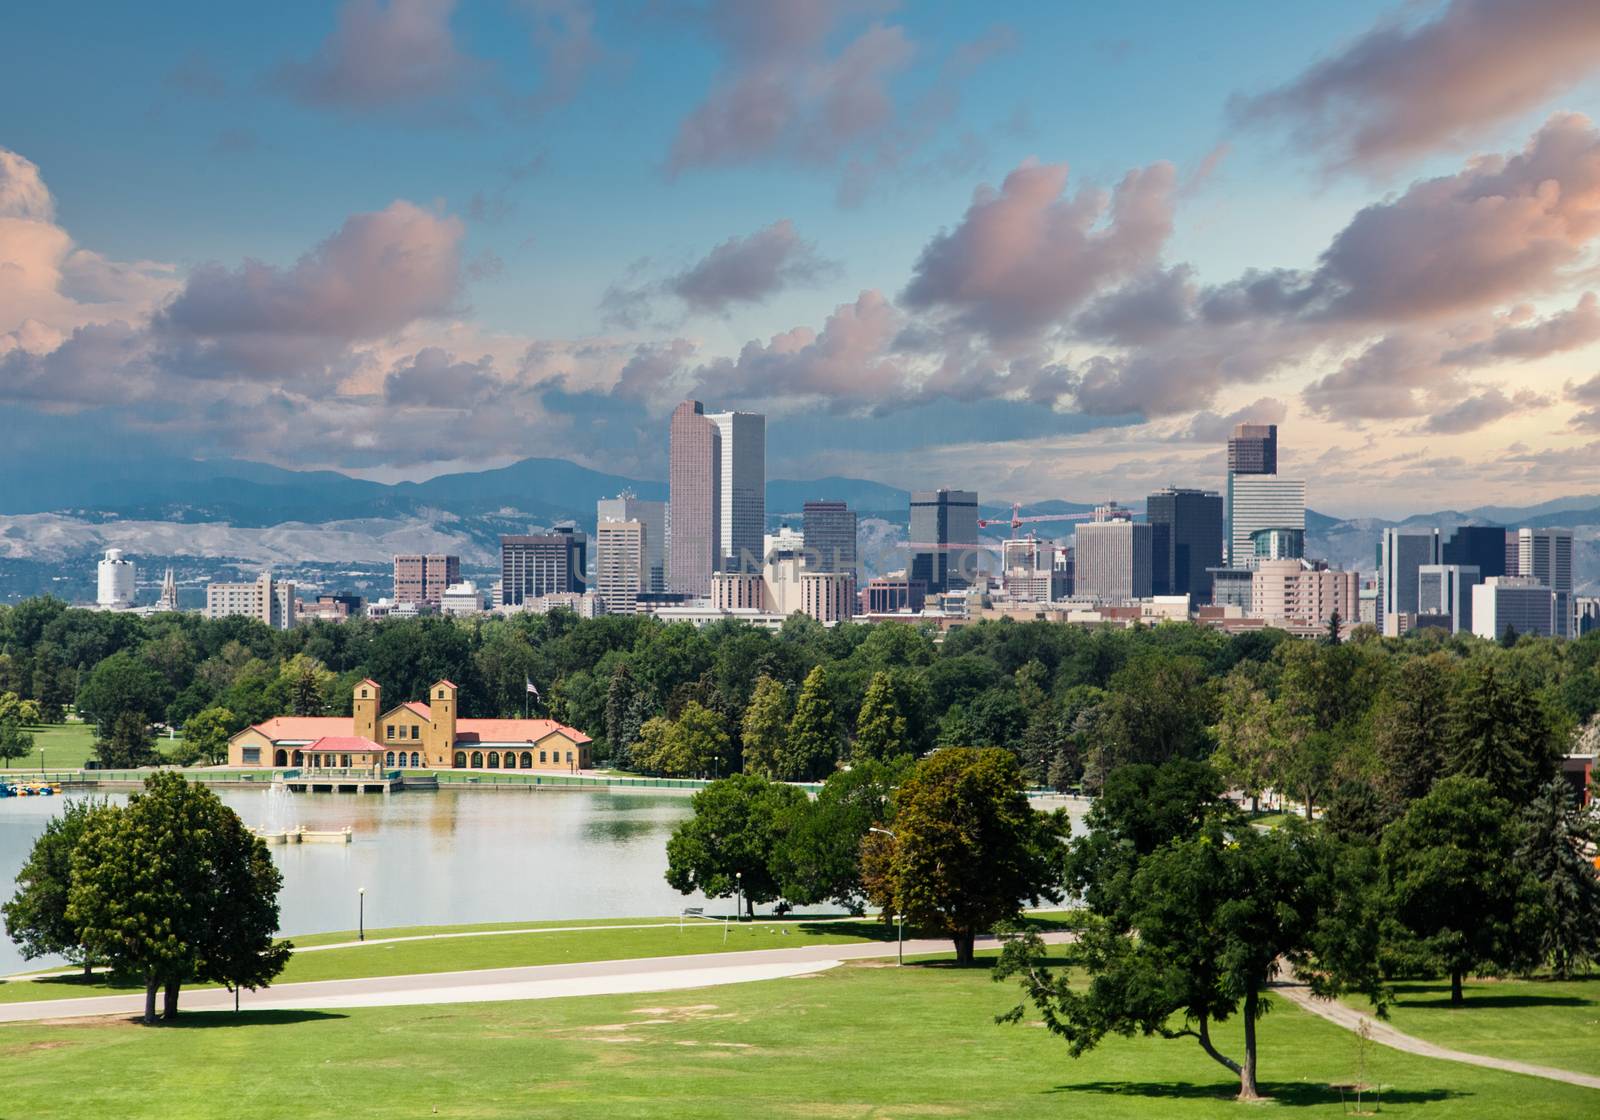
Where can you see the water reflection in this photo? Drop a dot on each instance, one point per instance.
(434, 858)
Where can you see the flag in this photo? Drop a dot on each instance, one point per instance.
(532, 691)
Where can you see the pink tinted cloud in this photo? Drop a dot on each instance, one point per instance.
(1404, 89)
(380, 53)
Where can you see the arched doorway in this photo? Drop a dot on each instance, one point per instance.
(416, 760)
(299, 758)
(461, 760)
(527, 760)
(280, 757)
(494, 760)
(388, 759)
(511, 760)
(477, 760)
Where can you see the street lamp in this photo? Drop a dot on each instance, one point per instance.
(361, 913)
(899, 919)
(738, 887)
(41, 760)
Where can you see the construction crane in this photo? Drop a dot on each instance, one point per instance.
(1017, 521)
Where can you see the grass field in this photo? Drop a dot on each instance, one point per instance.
(560, 946)
(66, 746)
(1551, 1022)
(861, 1040)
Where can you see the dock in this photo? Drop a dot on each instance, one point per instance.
(343, 781)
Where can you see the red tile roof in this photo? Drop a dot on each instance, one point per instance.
(513, 730)
(421, 709)
(344, 743)
(305, 728)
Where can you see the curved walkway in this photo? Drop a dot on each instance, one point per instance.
(645, 974)
(1351, 1019)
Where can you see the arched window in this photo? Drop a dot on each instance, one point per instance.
(388, 759)
(511, 760)
(461, 760)
(299, 758)
(527, 759)
(416, 760)
(494, 760)
(280, 758)
(477, 760)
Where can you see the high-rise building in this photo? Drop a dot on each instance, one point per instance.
(1112, 560)
(1546, 555)
(1521, 603)
(1252, 450)
(1446, 589)
(169, 593)
(619, 564)
(1478, 546)
(1299, 591)
(1185, 540)
(267, 599)
(1261, 501)
(827, 596)
(115, 580)
(541, 564)
(942, 521)
(423, 579)
(1401, 553)
(694, 495)
(652, 519)
(830, 539)
(1278, 544)
(742, 498)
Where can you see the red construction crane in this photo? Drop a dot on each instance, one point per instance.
(1017, 520)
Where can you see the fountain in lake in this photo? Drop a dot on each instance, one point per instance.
(278, 818)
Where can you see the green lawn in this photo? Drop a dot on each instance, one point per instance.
(862, 1040)
(66, 746)
(1551, 1022)
(505, 950)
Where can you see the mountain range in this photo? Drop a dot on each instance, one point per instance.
(57, 511)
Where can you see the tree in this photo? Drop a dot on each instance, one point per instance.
(308, 683)
(968, 849)
(699, 739)
(729, 844)
(15, 742)
(628, 705)
(206, 735)
(1212, 917)
(121, 684)
(1245, 736)
(1335, 628)
(1411, 728)
(1500, 732)
(766, 728)
(812, 748)
(881, 726)
(36, 917)
(173, 888)
(1558, 836)
(128, 745)
(1458, 899)
(819, 859)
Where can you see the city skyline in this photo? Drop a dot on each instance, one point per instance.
(954, 236)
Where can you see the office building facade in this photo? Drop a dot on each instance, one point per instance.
(1185, 541)
(269, 600)
(1261, 501)
(541, 564)
(1252, 450)
(1401, 553)
(1520, 603)
(1298, 591)
(944, 539)
(1445, 590)
(652, 519)
(1546, 555)
(620, 566)
(424, 578)
(829, 535)
(742, 489)
(1112, 560)
(694, 498)
(1478, 546)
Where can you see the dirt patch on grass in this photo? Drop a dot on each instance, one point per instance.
(33, 1047)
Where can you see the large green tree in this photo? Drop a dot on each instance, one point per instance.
(815, 734)
(1559, 839)
(1501, 732)
(130, 743)
(172, 888)
(205, 736)
(121, 684)
(1411, 728)
(1458, 899)
(765, 729)
(36, 916)
(820, 857)
(729, 845)
(968, 851)
(881, 729)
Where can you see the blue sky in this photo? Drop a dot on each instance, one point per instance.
(539, 152)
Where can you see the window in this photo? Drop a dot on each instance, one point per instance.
(388, 731)
(363, 694)
(415, 760)
(388, 759)
(477, 760)
(541, 758)
(461, 760)
(416, 731)
(511, 760)
(344, 761)
(569, 756)
(251, 756)
(441, 694)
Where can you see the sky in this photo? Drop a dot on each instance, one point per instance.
(1040, 250)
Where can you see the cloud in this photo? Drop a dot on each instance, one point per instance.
(1398, 375)
(379, 272)
(1586, 393)
(1208, 427)
(381, 53)
(432, 378)
(564, 38)
(1563, 331)
(23, 195)
(1026, 255)
(1402, 90)
(1482, 409)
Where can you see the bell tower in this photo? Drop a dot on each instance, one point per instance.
(365, 703)
(442, 733)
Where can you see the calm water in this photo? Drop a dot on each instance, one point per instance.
(432, 858)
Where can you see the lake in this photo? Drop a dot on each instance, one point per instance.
(433, 858)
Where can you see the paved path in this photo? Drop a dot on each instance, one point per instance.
(646, 974)
(1351, 1019)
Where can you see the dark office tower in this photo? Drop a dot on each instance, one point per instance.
(694, 498)
(830, 536)
(1253, 449)
(550, 563)
(941, 521)
(1185, 540)
(1479, 546)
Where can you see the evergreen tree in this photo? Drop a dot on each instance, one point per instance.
(1411, 729)
(881, 726)
(1500, 732)
(627, 707)
(1558, 837)
(765, 729)
(129, 744)
(812, 747)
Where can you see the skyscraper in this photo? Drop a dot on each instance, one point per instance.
(1185, 540)
(1478, 546)
(1546, 555)
(1261, 501)
(742, 501)
(1446, 589)
(830, 536)
(541, 564)
(941, 522)
(694, 485)
(423, 579)
(1112, 560)
(1252, 450)
(652, 519)
(619, 564)
(1401, 554)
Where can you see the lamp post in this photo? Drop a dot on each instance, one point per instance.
(738, 886)
(899, 919)
(361, 913)
(41, 760)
